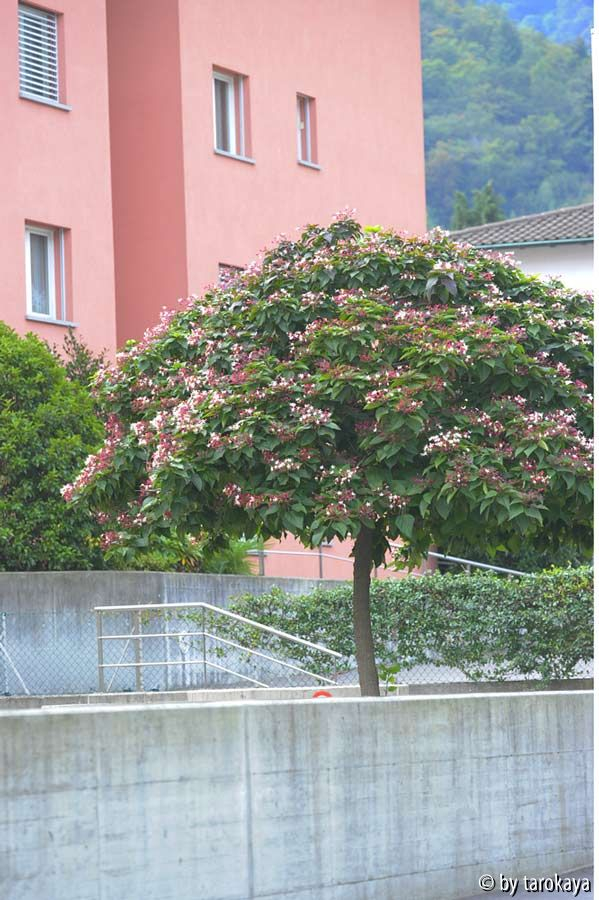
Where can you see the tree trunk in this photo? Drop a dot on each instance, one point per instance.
(369, 679)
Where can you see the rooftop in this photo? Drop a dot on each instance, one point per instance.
(570, 223)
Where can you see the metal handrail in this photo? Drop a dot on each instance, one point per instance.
(296, 553)
(137, 636)
(188, 662)
(279, 662)
(347, 559)
(478, 565)
(215, 637)
(223, 612)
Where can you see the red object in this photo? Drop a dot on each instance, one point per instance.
(320, 694)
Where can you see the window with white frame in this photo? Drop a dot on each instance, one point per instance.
(306, 129)
(44, 272)
(230, 131)
(38, 53)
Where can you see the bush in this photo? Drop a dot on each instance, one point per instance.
(47, 429)
(173, 553)
(80, 363)
(485, 625)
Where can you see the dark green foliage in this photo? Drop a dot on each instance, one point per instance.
(47, 428)
(174, 553)
(503, 103)
(530, 558)
(484, 625)
(80, 363)
(486, 207)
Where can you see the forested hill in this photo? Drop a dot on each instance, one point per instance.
(503, 103)
(560, 20)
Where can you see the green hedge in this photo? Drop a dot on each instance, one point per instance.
(486, 626)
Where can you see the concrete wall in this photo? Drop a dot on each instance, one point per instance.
(307, 800)
(59, 592)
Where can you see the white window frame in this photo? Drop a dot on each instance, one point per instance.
(230, 81)
(48, 233)
(307, 103)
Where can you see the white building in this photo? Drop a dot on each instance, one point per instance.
(559, 243)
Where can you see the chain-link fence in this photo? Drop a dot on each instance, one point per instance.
(192, 645)
(173, 647)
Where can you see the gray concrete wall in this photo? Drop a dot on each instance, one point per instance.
(222, 695)
(309, 800)
(78, 592)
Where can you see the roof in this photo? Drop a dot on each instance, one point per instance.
(570, 223)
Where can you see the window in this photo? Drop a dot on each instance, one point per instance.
(306, 130)
(231, 131)
(45, 272)
(38, 54)
(226, 273)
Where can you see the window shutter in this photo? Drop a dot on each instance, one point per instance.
(38, 53)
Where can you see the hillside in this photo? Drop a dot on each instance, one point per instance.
(503, 103)
(560, 20)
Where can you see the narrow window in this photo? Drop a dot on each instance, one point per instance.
(306, 129)
(230, 123)
(38, 53)
(40, 272)
(45, 266)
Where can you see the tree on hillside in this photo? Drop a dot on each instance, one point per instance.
(506, 103)
(356, 384)
(486, 207)
(47, 429)
(561, 20)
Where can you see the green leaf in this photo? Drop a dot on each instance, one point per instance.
(405, 525)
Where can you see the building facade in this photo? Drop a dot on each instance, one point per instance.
(233, 122)
(152, 146)
(56, 247)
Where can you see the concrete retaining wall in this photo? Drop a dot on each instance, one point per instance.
(78, 592)
(309, 800)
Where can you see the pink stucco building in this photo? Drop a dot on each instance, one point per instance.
(56, 230)
(232, 122)
(150, 145)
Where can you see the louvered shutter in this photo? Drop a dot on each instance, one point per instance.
(38, 52)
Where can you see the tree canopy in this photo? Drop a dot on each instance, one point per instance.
(47, 429)
(505, 103)
(560, 20)
(486, 207)
(355, 382)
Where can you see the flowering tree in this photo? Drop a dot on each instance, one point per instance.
(357, 384)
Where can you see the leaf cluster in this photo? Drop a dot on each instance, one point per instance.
(47, 429)
(413, 385)
(486, 626)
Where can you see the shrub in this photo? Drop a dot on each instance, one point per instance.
(47, 429)
(174, 553)
(80, 363)
(484, 625)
